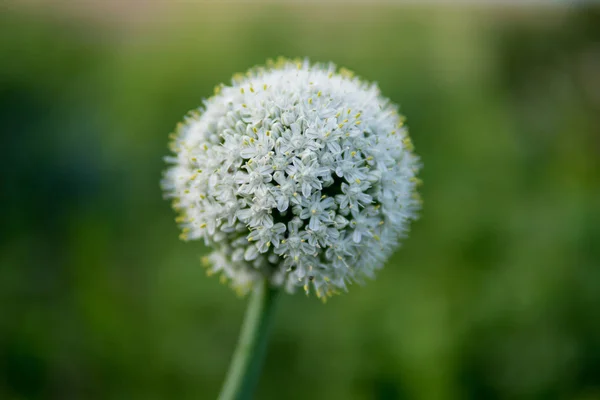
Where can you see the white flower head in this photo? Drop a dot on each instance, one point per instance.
(296, 173)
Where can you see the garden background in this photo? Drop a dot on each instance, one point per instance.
(495, 294)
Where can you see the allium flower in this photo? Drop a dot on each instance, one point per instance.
(295, 173)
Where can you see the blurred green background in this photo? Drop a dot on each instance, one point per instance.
(495, 295)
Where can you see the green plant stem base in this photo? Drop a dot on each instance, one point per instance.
(245, 367)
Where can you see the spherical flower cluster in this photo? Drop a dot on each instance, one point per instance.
(296, 173)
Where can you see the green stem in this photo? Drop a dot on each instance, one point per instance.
(247, 361)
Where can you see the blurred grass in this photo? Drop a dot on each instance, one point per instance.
(494, 295)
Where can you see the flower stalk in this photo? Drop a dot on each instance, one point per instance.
(248, 358)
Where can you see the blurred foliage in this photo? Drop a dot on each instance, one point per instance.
(495, 294)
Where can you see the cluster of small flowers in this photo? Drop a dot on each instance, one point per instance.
(295, 173)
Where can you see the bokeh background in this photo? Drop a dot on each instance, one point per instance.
(495, 295)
